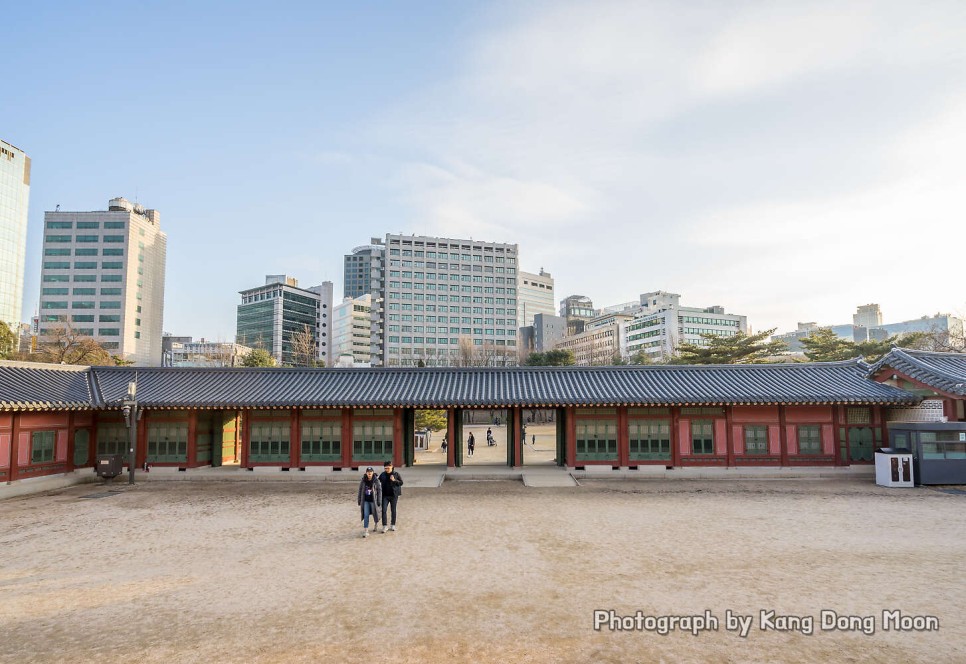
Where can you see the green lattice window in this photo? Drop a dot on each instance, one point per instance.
(702, 437)
(112, 438)
(596, 440)
(167, 442)
(809, 439)
(321, 441)
(269, 442)
(42, 446)
(756, 440)
(82, 446)
(372, 441)
(650, 440)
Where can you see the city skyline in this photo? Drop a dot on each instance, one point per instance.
(724, 153)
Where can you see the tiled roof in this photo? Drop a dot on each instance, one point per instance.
(805, 383)
(841, 382)
(34, 386)
(944, 371)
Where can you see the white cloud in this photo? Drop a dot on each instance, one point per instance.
(637, 146)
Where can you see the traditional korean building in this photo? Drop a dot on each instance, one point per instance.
(55, 419)
(938, 378)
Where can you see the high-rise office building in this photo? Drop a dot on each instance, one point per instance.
(289, 322)
(14, 196)
(351, 329)
(103, 276)
(357, 275)
(534, 296)
(445, 302)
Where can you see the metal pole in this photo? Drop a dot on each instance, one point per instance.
(133, 437)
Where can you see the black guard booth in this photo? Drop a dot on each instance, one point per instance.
(939, 449)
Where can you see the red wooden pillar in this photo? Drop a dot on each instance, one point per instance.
(675, 436)
(837, 442)
(571, 433)
(14, 446)
(623, 438)
(346, 438)
(729, 436)
(295, 435)
(782, 436)
(517, 415)
(192, 439)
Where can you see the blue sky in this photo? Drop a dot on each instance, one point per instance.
(788, 162)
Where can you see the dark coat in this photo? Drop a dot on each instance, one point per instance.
(376, 495)
(393, 479)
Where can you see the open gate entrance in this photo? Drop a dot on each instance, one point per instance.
(501, 437)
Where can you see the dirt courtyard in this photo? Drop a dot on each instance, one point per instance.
(477, 572)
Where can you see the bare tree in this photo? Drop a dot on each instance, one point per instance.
(304, 352)
(944, 341)
(484, 355)
(64, 345)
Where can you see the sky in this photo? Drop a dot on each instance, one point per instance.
(788, 161)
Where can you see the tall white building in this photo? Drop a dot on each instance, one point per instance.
(351, 324)
(444, 302)
(661, 325)
(103, 276)
(534, 296)
(14, 196)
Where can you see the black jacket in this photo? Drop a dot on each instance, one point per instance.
(391, 483)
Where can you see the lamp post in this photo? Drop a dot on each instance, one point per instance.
(131, 417)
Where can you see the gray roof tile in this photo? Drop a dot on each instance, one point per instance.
(842, 382)
(35, 386)
(106, 387)
(944, 371)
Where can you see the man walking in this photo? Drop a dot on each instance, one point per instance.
(391, 490)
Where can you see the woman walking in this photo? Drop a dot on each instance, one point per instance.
(470, 444)
(370, 498)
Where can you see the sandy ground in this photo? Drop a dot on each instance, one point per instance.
(478, 571)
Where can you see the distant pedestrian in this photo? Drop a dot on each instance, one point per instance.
(533, 441)
(370, 498)
(391, 490)
(489, 437)
(470, 444)
(443, 446)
